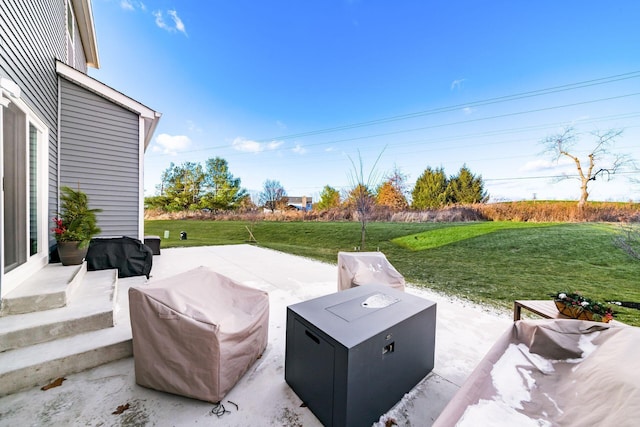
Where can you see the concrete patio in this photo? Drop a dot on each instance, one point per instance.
(464, 333)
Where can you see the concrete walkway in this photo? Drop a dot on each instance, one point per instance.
(464, 333)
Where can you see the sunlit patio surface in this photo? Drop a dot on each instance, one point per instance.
(109, 396)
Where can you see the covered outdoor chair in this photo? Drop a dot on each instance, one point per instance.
(197, 333)
(367, 268)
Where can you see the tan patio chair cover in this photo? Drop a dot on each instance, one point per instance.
(560, 372)
(197, 333)
(367, 268)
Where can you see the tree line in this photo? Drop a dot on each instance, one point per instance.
(192, 186)
(433, 189)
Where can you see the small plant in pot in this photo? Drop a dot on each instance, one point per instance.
(74, 227)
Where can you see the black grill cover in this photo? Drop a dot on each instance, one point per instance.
(130, 256)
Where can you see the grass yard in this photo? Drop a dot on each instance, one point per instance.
(455, 233)
(491, 263)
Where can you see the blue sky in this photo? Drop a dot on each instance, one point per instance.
(292, 90)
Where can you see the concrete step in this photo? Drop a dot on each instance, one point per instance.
(38, 364)
(50, 288)
(92, 308)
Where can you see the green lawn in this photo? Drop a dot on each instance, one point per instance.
(491, 263)
(443, 236)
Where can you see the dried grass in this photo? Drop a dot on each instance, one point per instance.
(538, 211)
(560, 212)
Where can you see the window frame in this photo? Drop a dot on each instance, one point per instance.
(36, 261)
(70, 36)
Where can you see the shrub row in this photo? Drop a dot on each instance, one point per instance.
(535, 211)
(541, 211)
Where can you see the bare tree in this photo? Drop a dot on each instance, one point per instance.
(361, 194)
(273, 195)
(600, 160)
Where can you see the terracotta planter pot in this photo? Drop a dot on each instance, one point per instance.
(70, 253)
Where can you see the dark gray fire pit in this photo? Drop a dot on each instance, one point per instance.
(352, 355)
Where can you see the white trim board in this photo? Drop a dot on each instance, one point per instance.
(151, 117)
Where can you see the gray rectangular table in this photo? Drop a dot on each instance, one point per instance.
(352, 355)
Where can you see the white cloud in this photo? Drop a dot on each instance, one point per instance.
(329, 149)
(247, 145)
(160, 20)
(457, 84)
(546, 165)
(468, 110)
(299, 149)
(132, 5)
(250, 146)
(178, 25)
(171, 144)
(126, 4)
(281, 125)
(274, 144)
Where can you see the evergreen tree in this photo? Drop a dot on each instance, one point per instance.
(430, 190)
(223, 191)
(466, 188)
(181, 185)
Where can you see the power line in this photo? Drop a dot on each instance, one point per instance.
(514, 97)
(522, 95)
(569, 176)
(602, 118)
(518, 96)
(489, 133)
(499, 116)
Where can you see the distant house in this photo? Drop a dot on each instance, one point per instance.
(61, 127)
(303, 203)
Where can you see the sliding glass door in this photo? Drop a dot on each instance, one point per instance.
(15, 184)
(22, 224)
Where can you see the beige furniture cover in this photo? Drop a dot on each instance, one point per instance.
(367, 268)
(197, 333)
(559, 372)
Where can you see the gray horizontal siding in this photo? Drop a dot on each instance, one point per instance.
(32, 37)
(99, 149)
(80, 61)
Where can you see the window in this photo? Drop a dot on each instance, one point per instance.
(34, 241)
(15, 181)
(71, 29)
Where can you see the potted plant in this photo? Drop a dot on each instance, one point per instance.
(574, 305)
(74, 227)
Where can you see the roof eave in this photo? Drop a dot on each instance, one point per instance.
(87, 30)
(150, 116)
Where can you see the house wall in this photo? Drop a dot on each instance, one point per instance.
(32, 37)
(80, 60)
(100, 153)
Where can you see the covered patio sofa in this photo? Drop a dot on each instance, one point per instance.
(558, 372)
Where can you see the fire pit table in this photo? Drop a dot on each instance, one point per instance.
(352, 355)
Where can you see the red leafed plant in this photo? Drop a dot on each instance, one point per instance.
(76, 222)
